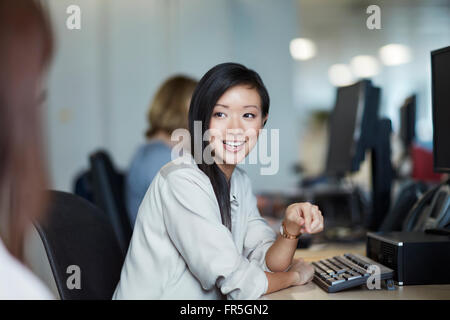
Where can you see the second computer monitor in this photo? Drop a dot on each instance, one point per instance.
(352, 127)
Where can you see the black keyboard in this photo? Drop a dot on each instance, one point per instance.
(347, 271)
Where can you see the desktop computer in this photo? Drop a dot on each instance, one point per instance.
(419, 254)
(416, 257)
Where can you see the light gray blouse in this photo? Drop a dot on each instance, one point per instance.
(181, 250)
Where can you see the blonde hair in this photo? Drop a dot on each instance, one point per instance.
(169, 108)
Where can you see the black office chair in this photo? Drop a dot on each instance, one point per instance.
(76, 234)
(108, 193)
(409, 193)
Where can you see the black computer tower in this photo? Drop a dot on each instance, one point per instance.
(416, 257)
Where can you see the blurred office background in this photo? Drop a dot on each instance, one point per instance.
(104, 75)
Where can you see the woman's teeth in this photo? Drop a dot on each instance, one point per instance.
(234, 143)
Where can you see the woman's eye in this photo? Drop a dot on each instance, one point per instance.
(249, 115)
(219, 114)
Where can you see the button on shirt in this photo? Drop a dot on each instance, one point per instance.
(181, 250)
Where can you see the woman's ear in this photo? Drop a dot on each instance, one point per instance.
(265, 120)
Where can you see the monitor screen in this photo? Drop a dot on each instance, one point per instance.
(344, 129)
(408, 121)
(440, 74)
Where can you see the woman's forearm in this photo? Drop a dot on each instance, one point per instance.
(280, 280)
(280, 254)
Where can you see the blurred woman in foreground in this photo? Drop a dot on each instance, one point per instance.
(25, 51)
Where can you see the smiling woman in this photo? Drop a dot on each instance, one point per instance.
(199, 234)
(219, 104)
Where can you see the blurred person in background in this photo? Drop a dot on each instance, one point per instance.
(25, 52)
(168, 112)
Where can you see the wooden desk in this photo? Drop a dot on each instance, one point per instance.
(311, 291)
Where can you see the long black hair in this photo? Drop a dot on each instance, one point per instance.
(208, 91)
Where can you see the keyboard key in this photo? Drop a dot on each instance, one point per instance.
(340, 277)
(359, 261)
(326, 277)
(321, 273)
(324, 267)
(354, 275)
(319, 266)
(339, 266)
(330, 265)
(362, 271)
(347, 276)
(334, 281)
(354, 266)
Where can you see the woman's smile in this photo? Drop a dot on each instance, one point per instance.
(233, 146)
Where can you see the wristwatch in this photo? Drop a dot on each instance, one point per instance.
(286, 234)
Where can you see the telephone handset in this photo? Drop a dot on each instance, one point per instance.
(431, 211)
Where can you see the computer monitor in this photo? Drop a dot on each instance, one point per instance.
(440, 84)
(352, 127)
(408, 121)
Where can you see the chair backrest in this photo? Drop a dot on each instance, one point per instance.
(408, 194)
(82, 185)
(109, 195)
(82, 249)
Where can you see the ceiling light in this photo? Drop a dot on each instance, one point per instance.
(364, 66)
(340, 75)
(302, 49)
(395, 54)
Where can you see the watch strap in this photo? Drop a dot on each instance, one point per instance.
(286, 234)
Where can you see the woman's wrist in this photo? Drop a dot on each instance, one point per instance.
(290, 228)
(281, 280)
(295, 277)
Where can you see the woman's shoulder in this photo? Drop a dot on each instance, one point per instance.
(150, 155)
(185, 180)
(154, 149)
(17, 281)
(182, 167)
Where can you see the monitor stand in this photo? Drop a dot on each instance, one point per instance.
(382, 175)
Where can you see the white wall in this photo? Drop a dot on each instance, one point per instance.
(105, 74)
(340, 33)
(75, 123)
(136, 61)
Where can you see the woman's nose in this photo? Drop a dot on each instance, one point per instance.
(235, 124)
